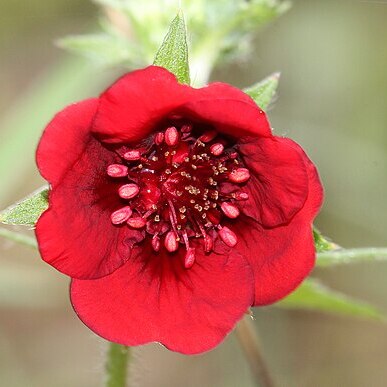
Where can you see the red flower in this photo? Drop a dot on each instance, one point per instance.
(174, 210)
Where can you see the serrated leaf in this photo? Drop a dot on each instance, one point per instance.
(313, 295)
(345, 256)
(173, 53)
(27, 211)
(263, 92)
(322, 243)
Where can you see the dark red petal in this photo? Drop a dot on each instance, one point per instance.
(228, 109)
(278, 186)
(75, 234)
(132, 106)
(283, 256)
(154, 298)
(63, 140)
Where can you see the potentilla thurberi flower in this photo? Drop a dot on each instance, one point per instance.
(174, 210)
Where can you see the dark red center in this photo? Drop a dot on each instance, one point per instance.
(181, 182)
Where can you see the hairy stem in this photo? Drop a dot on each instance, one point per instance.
(18, 238)
(341, 256)
(118, 357)
(248, 339)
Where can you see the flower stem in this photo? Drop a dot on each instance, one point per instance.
(341, 256)
(18, 238)
(248, 340)
(117, 365)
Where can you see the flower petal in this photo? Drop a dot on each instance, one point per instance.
(228, 109)
(63, 140)
(278, 186)
(130, 109)
(153, 298)
(283, 256)
(75, 234)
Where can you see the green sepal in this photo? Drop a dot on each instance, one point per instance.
(264, 91)
(322, 243)
(173, 53)
(27, 211)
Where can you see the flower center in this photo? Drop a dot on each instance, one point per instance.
(182, 182)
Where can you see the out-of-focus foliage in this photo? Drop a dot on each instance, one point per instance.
(219, 31)
(313, 295)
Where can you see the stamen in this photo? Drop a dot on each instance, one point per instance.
(122, 215)
(159, 138)
(117, 170)
(189, 259)
(217, 149)
(239, 175)
(170, 242)
(128, 191)
(228, 237)
(176, 188)
(171, 136)
(186, 128)
(241, 195)
(156, 243)
(208, 136)
(208, 243)
(136, 222)
(230, 210)
(132, 155)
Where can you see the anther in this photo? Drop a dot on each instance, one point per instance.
(121, 215)
(156, 243)
(241, 195)
(132, 155)
(230, 210)
(170, 242)
(217, 149)
(117, 170)
(186, 128)
(128, 191)
(136, 222)
(228, 237)
(208, 243)
(189, 259)
(171, 136)
(159, 138)
(208, 136)
(239, 175)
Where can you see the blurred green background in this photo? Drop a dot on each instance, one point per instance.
(332, 100)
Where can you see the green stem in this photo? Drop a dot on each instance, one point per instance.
(249, 341)
(341, 256)
(18, 238)
(117, 365)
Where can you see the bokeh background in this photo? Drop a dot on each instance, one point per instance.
(332, 100)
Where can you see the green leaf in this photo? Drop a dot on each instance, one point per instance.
(321, 243)
(263, 92)
(27, 211)
(345, 256)
(312, 295)
(104, 49)
(173, 53)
